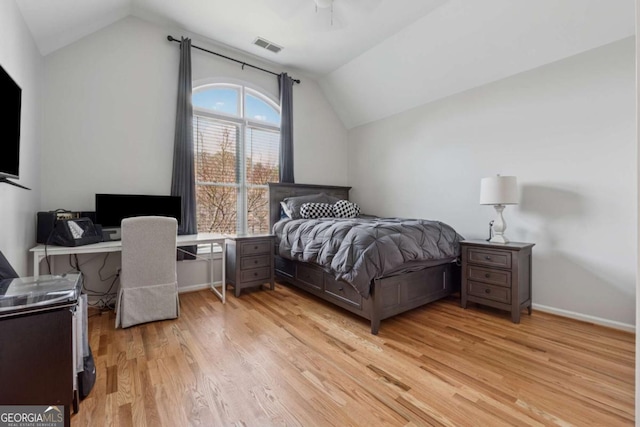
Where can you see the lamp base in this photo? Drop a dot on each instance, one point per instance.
(499, 226)
(498, 238)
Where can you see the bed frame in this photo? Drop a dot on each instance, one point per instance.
(389, 295)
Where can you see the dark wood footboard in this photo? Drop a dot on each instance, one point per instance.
(389, 295)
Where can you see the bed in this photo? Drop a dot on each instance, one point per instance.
(373, 295)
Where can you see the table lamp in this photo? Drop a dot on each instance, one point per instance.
(499, 191)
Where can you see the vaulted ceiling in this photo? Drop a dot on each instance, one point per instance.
(315, 40)
(373, 58)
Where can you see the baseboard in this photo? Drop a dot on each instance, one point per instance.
(586, 318)
(198, 287)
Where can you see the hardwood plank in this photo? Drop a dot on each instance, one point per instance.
(283, 358)
(112, 379)
(145, 398)
(125, 417)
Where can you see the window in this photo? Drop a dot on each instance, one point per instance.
(237, 150)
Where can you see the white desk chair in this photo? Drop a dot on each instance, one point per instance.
(148, 280)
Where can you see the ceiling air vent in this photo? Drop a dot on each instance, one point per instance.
(267, 45)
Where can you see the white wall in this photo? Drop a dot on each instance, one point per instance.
(567, 131)
(21, 59)
(110, 112)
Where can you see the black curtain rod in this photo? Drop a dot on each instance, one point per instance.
(172, 39)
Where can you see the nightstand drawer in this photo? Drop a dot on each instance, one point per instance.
(256, 274)
(490, 258)
(255, 262)
(254, 248)
(490, 292)
(494, 277)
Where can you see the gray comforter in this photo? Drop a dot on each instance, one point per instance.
(358, 250)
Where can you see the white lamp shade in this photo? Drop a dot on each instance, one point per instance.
(499, 190)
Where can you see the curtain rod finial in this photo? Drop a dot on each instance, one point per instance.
(170, 38)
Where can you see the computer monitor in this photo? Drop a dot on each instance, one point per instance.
(111, 209)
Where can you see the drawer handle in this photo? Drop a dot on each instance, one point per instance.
(488, 258)
(487, 275)
(255, 274)
(487, 291)
(255, 261)
(255, 248)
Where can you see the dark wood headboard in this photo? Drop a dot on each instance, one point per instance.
(280, 191)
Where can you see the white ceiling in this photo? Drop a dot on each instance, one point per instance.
(466, 44)
(380, 57)
(311, 42)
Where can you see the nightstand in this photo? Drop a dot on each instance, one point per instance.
(250, 262)
(497, 275)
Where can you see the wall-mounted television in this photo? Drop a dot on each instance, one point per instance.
(111, 209)
(10, 106)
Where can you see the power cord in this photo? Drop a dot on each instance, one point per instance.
(104, 263)
(107, 299)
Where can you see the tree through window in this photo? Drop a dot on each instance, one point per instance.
(237, 144)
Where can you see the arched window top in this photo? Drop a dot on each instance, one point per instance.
(217, 98)
(257, 107)
(237, 101)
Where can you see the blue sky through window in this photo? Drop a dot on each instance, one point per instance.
(226, 100)
(222, 100)
(256, 108)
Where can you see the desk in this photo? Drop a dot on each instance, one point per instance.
(116, 246)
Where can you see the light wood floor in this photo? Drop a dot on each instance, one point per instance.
(285, 358)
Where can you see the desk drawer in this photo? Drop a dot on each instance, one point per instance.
(254, 274)
(491, 276)
(255, 248)
(490, 258)
(490, 292)
(255, 262)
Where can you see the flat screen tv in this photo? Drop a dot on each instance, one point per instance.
(10, 106)
(111, 209)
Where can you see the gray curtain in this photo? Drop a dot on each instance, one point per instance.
(286, 128)
(183, 181)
